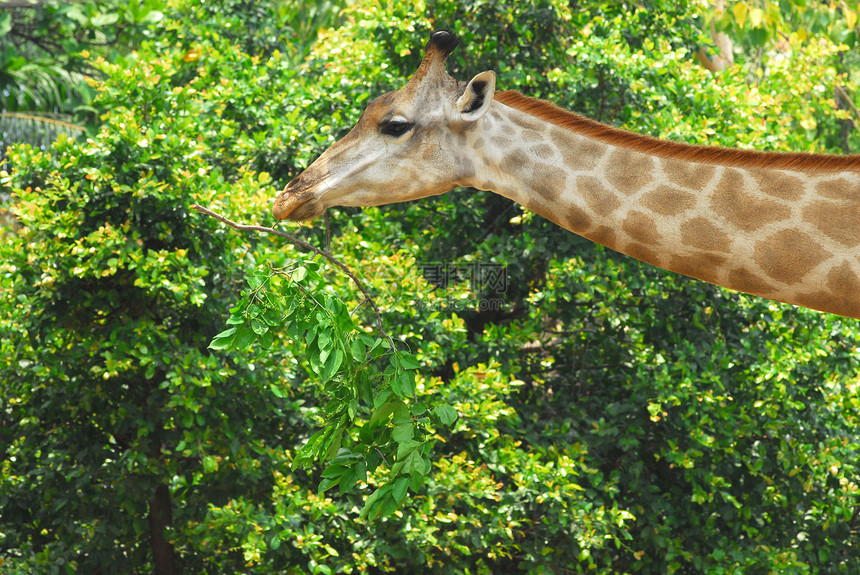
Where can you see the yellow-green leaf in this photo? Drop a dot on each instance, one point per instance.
(850, 16)
(741, 10)
(756, 17)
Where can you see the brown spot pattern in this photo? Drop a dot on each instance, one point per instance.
(578, 153)
(744, 211)
(604, 235)
(688, 175)
(644, 253)
(668, 201)
(841, 189)
(746, 281)
(788, 255)
(702, 234)
(467, 168)
(702, 266)
(629, 171)
(544, 151)
(842, 280)
(596, 195)
(839, 221)
(502, 143)
(531, 127)
(778, 184)
(844, 297)
(641, 227)
(830, 302)
(530, 136)
(548, 181)
(516, 162)
(576, 220)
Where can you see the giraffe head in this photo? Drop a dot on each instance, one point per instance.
(408, 144)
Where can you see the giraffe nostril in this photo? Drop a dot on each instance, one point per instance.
(301, 183)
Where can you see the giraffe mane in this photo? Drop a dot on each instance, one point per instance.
(799, 161)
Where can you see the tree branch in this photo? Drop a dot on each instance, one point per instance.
(305, 246)
(725, 59)
(840, 91)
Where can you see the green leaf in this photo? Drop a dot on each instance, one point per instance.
(407, 383)
(334, 471)
(266, 340)
(106, 19)
(210, 464)
(373, 506)
(406, 448)
(402, 432)
(447, 415)
(5, 23)
(276, 390)
(75, 13)
(272, 316)
(401, 414)
(415, 463)
(255, 281)
(396, 385)
(350, 477)
(416, 482)
(224, 339)
(332, 364)
(259, 327)
(382, 412)
(245, 336)
(398, 491)
(407, 360)
(153, 16)
(327, 484)
(357, 350)
(325, 338)
(299, 274)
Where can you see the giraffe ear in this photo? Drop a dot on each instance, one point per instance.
(478, 96)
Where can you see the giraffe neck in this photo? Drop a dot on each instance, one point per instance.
(791, 234)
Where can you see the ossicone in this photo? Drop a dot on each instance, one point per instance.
(444, 40)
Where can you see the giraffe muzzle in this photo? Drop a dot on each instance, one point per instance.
(296, 201)
(297, 207)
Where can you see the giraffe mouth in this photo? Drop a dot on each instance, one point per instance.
(296, 207)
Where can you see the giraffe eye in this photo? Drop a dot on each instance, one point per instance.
(396, 128)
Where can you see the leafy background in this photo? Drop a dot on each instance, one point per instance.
(608, 416)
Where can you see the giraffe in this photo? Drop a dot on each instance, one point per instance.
(784, 226)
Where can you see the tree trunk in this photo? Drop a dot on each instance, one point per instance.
(160, 517)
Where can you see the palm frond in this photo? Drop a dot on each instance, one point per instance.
(37, 129)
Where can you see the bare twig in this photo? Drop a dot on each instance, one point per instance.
(382, 455)
(355, 309)
(305, 246)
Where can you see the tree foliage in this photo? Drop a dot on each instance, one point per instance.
(45, 48)
(180, 397)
